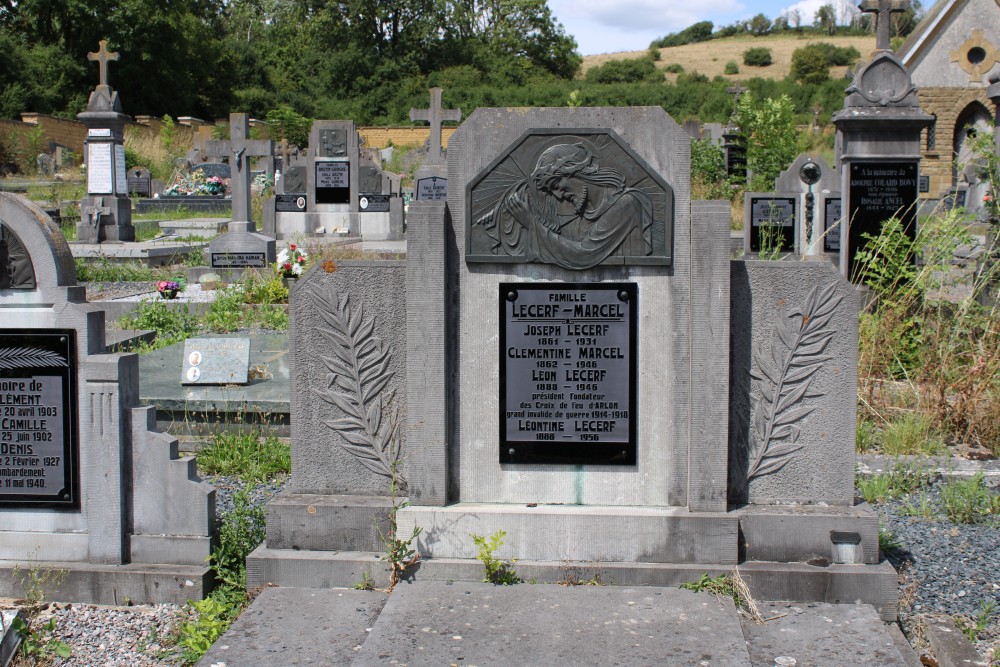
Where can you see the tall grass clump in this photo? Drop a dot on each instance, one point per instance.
(929, 347)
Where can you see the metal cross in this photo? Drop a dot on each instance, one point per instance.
(434, 115)
(103, 56)
(883, 10)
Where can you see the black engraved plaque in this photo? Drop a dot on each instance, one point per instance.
(568, 373)
(39, 449)
(238, 260)
(333, 183)
(831, 230)
(775, 216)
(878, 192)
(290, 203)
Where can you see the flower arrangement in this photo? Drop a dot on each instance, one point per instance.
(292, 262)
(215, 185)
(168, 288)
(196, 183)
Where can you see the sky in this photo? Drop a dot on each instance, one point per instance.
(608, 26)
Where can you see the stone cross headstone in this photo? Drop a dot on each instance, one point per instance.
(878, 131)
(883, 11)
(241, 247)
(435, 115)
(106, 211)
(89, 487)
(431, 180)
(238, 150)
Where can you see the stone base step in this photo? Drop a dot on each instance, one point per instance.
(111, 584)
(577, 532)
(839, 583)
(123, 340)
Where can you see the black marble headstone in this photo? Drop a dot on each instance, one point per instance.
(879, 191)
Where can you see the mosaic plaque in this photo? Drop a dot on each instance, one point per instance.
(39, 448)
(568, 373)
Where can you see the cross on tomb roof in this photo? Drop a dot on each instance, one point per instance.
(883, 10)
(434, 115)
(736, 91)
(103, 56)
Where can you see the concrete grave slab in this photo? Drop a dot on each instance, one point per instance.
(818, 634)
(436, 623)
(272, 631)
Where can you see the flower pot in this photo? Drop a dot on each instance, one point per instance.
(290, 281)
(168, 294)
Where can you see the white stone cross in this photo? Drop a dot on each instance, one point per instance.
(103, 56)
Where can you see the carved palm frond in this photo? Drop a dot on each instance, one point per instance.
(30, 357)
(358, 366)
(784, 374)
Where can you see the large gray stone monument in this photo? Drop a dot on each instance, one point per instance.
(87, 485)
(106, 211)
(566, 371)
(879, 137)
(241, 247)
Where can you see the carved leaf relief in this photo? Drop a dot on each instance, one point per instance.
(784, 373)
(358, 373)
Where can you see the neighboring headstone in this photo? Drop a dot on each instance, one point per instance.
(431, 178)
(879, 133)
(241, 247)
(809, 175)
(216, 361)
(769, 222)
(87, 486)
(830, 208)
(140, 183)
(214, 170)
(293, 180)
(106, 211)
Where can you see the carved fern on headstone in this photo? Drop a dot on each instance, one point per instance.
(784, 375)
(30, 357)
(358, 366)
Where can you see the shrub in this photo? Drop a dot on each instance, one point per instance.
(809, 65)
(634, 70)
(698, 32)
(674, 68)
(732, 68)
(758, 56)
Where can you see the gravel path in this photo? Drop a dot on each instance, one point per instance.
(944, 569)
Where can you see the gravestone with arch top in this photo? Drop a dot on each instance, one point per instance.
(87, 485)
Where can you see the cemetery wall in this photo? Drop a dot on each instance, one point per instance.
(402, 136)
(946, 104)
(69, 133)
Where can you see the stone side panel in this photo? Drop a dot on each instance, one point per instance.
(793, 384)
(348, 363)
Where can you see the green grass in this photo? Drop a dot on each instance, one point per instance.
(970, 501)
(111, 272)
(171, 325)
(901, 481)
(911, 433)
(249, 455)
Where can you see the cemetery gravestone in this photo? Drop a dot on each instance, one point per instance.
(825, 183)
(431, 178)
(241, 246)
(106, 211)
(570, 278)
(140, 183)
(86, 483)
(878, 131)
